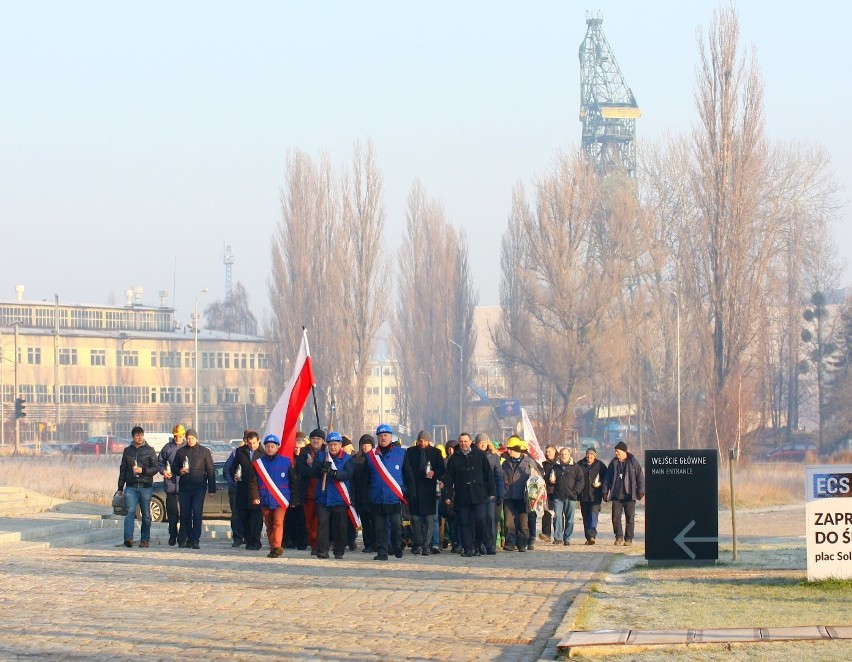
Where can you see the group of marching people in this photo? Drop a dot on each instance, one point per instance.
(471, 496)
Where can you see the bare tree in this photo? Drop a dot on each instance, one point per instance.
(563, 267)
(304, 289)
(367, 285)
(233, 314)
(435, 308)
(732, 237)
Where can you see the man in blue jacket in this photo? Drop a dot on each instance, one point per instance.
(164, 463)
(333, 469)
(386, 495)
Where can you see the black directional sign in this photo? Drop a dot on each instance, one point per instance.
(682, 505)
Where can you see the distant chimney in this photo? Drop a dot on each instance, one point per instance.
(19, 292)
(128, 298)
(163, 296)
(137, 295)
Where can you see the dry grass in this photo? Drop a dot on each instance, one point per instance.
(763, 485)
(768, 590)
(75, 478)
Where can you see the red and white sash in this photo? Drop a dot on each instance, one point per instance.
(264, 476)
(344, 494)
(390, 481)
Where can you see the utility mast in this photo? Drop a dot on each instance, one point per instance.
(608, 109)
(228, 259)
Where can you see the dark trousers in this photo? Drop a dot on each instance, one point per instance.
(421, 530)
(590, 512)
(629, 509)
(517, 523)
(310, 508)
(532, 517)
(331, 523)
(471, 524)
(251, 520)
(489, 528)
(172, 513)
(295, 531)
(383, 515)
(236, 522)
(368, 526)
(191, 509)
(547, 518)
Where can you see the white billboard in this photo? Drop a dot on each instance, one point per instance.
(828, 507)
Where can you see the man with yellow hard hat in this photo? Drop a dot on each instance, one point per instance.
(164, 464)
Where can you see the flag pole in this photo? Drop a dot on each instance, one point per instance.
(313, 387)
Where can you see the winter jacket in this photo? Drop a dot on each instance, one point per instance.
(516, 473)
(305, 472)
(569, 482)
(548, 473)
(247, 486)
(469, 479)
(146, 458)
(392, 459)
(421, 491)
(331, 496)
(201, 470)
(279, 469)
(593, 472)
(167, 456)
(497, 468)
(624, 481)
(360, 479)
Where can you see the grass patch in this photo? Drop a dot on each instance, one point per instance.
(71, 477)
(766, 587)
(763, 485)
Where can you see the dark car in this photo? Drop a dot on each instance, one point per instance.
(216, 506)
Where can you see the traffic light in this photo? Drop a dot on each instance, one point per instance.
(20, 405)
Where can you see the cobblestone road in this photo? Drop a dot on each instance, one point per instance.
(103, 602)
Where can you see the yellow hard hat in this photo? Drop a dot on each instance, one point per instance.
(179, 430)
(515, 443)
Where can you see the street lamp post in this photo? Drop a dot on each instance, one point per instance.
(17, 420)
(197, 360)
(461, 383)
(677, 353)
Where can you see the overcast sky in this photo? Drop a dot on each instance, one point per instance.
(136, 139)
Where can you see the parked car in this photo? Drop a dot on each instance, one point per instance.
(221, 450)
(216, 506)
(98, 445)
(796, 452)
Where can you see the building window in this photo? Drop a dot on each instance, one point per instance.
(219, 359)
(127, 359)
(206, 360)
(227, 360)
(171, 395)
(67, 356)
(242, 361)
(97, 357)
(34, 355)
(251, 361)
(228, 396)
(153, 359)
(262, 362)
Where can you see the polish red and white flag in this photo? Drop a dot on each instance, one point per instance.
(284, 419)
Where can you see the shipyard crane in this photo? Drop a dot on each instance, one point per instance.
(608, 108)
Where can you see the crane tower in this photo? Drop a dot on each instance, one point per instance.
(228, 259)
(608, 109)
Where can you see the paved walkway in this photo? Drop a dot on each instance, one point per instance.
(101, 602)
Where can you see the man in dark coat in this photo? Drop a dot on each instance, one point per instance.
(247, 495)
(493, 507)
(361, 492)
(194, 463)
(135, 483)
(517, 469)
(422, 468)
(624, 485)
(469, 482)
(592, 492)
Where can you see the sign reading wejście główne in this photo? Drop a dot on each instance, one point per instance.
(682, 505)
(828, 507)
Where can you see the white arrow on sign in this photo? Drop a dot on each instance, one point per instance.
(681, 540)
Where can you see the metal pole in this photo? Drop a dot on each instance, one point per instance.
(2, 397)
(56, 362)
(733, 455)
(17, 420)
(678, 373)
(196, 423)
(461, 383)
